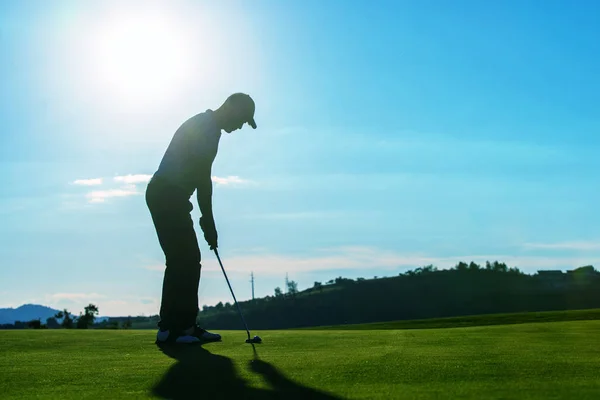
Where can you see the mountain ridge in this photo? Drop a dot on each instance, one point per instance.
(26, 312)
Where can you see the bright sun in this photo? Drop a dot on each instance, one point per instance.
(140, 59)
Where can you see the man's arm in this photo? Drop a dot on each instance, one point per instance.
(204, 195)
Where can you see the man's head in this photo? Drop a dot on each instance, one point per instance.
(237, 110)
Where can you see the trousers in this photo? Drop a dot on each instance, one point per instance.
(170, 208)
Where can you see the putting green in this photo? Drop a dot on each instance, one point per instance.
(553, 360)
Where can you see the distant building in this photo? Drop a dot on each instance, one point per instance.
(578, 276)
(550, 272)
(552, 278)
(583, 275)
(588, 270)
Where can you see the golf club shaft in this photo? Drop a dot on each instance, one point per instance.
(234, 299)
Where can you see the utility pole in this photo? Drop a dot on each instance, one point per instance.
(252, 280)
(286, 282)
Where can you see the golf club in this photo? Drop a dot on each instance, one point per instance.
(255, 339)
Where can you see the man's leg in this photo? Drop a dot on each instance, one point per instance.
(170, 210)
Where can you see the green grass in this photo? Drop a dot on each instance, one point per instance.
(556, 360)
(476, 320)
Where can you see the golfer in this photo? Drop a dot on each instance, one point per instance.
(185, 168)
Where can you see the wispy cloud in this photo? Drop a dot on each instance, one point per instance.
(133, 179)
(88, 182)
(129, 305)
(107, 305)
(75, 296)
(573, 245)
(99, 196)
(128, 187)
(366, 258)
(229, 180)
(130, 184)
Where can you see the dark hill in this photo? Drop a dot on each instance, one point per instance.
(26, 312)
(467, 289)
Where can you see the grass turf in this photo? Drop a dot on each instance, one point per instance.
(475, 320)
(557, 360)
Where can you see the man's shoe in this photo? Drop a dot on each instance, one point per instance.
(195, 334)
(163, 337)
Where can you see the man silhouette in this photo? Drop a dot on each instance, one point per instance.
(186, 167)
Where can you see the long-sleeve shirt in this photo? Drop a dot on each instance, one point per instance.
(187, 162)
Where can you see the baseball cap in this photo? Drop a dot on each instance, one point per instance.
(246, 105)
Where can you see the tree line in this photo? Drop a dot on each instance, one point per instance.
(62, 319)
(426, 292)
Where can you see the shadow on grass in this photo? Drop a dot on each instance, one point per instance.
(200, 374)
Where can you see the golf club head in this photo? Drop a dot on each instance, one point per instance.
(255, 339)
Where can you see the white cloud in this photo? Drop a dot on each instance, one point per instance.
(129, 305)
(73, 297)
(332, 259)
(99, 196)
(107, 305)
(133, 179)
(88, 182)
(366, 258)
(128, 187)
(576, 245)
(229, 180)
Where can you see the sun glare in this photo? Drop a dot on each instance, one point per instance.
(141, 59)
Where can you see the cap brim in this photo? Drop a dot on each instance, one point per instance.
(252, 123)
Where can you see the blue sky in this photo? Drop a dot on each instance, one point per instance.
(391, 135)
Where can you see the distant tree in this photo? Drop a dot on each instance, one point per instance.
(429, 268)
(292, 288)
(67, 321)
(86, 319)
(499, 267)
(112, 325)
(80, 322)
(422, 270)
(278, 292)
(52, 323)
(330, 282)
(219, 306)
(127, 324)
(91, 311)
(341, 281)
(318, 286)
(35, 324)
(473, 266)
(515, 270)
(462, 266)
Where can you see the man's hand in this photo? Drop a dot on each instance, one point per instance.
(210, 231)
